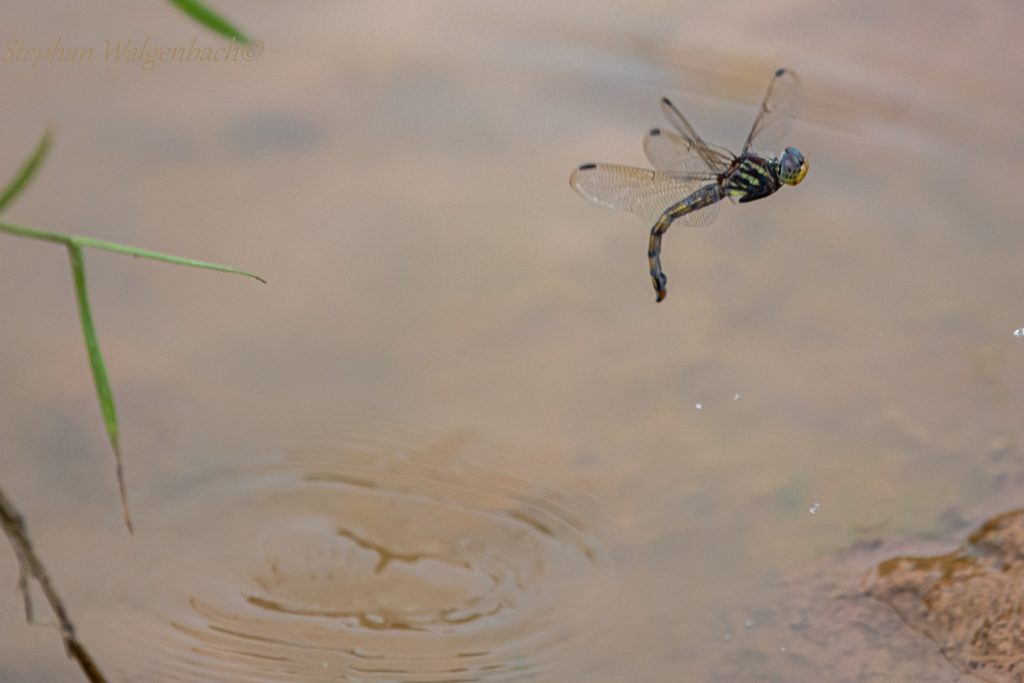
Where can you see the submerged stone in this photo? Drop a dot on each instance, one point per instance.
(970, 602)
(883, 611)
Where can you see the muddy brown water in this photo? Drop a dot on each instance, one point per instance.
(455, 438)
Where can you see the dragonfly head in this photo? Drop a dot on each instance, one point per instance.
(792, 166)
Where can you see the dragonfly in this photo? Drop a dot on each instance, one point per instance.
(691, 177)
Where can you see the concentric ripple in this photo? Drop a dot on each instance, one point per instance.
(371, 562)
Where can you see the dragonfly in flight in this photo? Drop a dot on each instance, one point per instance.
(692, 177)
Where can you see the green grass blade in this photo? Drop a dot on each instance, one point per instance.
(28, 170)
(104, 393)
(99, 371)
(211, 20)
(158, 256)
(62, 238)
(22, 231)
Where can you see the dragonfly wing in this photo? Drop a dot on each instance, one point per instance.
(713, 157)
(671, 152)
(640, 191)
(778, 109)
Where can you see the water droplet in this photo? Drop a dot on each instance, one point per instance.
(814, 508)
(782, 648)
(749, 623)
(737, 397)
(727, 636)
(700, 406)
(1019, 332)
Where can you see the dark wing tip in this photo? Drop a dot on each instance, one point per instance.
(586, 167)
(654, 132)
(779, 72)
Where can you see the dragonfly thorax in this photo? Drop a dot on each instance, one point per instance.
(751, 177)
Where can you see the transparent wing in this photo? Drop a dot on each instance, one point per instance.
(671, 152)
(778, 109)
(641, 191)
(702, 217)
(713, 157)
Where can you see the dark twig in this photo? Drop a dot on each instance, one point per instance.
(30, 566)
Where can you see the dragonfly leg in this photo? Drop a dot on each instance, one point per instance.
(705, 196)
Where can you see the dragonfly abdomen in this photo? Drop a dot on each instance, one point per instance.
(705, 196)
(753, 178)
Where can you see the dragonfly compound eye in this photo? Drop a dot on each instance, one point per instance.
(792, 166)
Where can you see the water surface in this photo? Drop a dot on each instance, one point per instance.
(454, 438)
